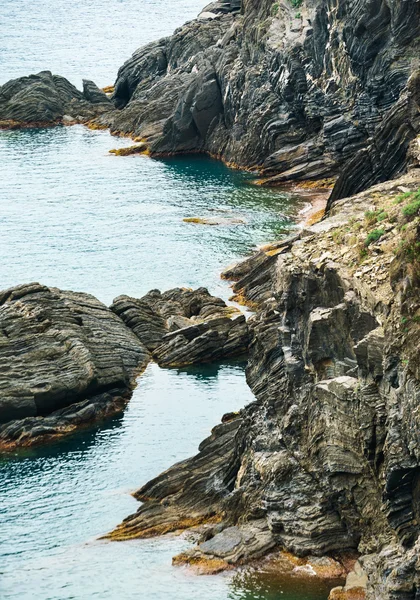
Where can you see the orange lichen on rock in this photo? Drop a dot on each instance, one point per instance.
(129, 150)
(315, 217)
(94, 125)
(108, 89)
(241, 299)
(340, 593)
(326, 567)
(125, 531)
(201, 564)
(317, 184)
(214, 220)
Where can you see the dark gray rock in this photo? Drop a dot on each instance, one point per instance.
(327, 458)
(44, 99)
(296, 92)
(183, 326)
(386, 154)
(65, 359)
(94, 95)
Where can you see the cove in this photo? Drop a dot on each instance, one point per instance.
(76, 217)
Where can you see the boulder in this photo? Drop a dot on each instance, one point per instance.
(182, 327)
(65, 358)
(44, 99)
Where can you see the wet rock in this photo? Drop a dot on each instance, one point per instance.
(183, 327)
(233, 544)
(299, 98)
(333, 92)
(214, 220)
(65, 358)
(189, 493)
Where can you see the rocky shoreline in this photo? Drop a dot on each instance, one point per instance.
(326, 88)
(326, 459)
(69, 361)
(325, 463)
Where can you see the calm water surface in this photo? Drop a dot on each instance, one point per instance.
(76, 217)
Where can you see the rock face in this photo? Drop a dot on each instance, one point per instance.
(182, 327)
(295, 88)
(327, 458)
(308, 89)
(65, 358)
(44, 99)
(68, 360)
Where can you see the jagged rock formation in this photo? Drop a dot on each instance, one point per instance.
(300, 90)
(295, 91)
(182, 327)
(44, 99)
(66, 360)
(327, 458)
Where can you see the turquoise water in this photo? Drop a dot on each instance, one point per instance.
(76, 217)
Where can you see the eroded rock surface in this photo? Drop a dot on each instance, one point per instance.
(65, 360)
(182, 327)
(327, 458)
(47, 99)
(300, 90)
(296, 91)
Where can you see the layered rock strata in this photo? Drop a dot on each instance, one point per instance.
(46, 99)
(65, 359)
(302, 89)
(182, 327)
(296, 89)
(327, 458)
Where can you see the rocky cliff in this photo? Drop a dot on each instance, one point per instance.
(299, 89)
(327, 458)
(295, 88)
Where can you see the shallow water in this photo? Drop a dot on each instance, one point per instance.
(76, 217)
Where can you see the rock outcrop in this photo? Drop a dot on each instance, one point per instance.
(296, 89)
(302, 89)
(183, 327)
(65, 359)
(46, 99)
(327, 458)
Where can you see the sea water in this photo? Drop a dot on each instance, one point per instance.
(76, 217)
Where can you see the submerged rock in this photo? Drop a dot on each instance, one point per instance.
(214, 220)
(44, 99)
(327, 458)
(182, 326)
(66, 360)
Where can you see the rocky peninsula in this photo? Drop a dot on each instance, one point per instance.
(69, 361)
(326, 460)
